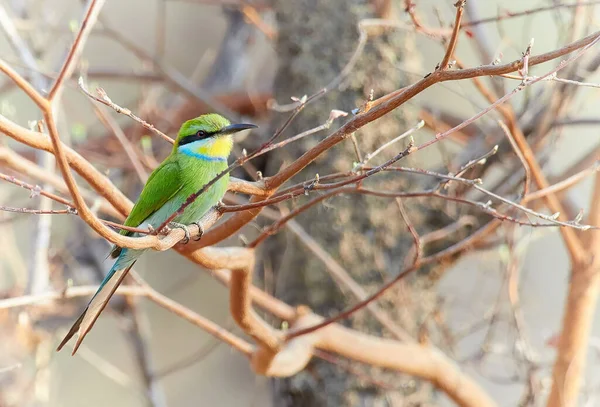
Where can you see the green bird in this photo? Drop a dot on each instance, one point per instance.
(199, 154)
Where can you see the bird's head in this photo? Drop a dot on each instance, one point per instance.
(208, 137)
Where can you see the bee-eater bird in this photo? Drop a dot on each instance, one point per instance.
(199, 154)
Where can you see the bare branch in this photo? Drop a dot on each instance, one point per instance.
(105, 100)
(89, 19)
(143, 291)
(460, 6)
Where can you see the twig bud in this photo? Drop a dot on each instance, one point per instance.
(335, 114)
(579, 217)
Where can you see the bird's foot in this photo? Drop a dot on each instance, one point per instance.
(175, 225)
(200, 231)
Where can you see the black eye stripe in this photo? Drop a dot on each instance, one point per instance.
(200, 135)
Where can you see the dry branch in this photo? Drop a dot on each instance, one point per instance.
(580, 307)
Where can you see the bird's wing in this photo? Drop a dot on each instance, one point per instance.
(162, 185)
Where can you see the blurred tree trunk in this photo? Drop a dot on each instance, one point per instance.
(365, 235)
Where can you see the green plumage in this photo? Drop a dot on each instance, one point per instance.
(167, 188)
(199, 154)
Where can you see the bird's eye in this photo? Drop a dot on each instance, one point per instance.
(201, 133)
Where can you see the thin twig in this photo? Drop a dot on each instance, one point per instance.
(562, 185)
(334, 114)
(105, 100)
(114, 127)
(520, 156)
(36, 211)
(510, 14)
(445, 64)
(24, 167)
(89, 19)
(369, 156)
(345, 280)
(550, 218)
(35, 190)
(413, 232)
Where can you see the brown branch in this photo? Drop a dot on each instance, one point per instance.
(252, 15)
(418, 360)
(485, 207)
(240, 303)
(460, 6)
(296, 353)
(437, 257)
(578, 317)
(246, 187)
(433, 193)
(76, 49)
(409, 7)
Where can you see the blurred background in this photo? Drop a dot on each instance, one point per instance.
(171, 60)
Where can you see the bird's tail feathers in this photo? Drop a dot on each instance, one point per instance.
(72, 331)
(86, 320)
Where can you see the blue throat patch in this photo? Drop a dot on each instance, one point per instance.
(191, 153)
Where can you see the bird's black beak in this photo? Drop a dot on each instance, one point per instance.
(234, 128)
